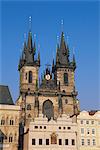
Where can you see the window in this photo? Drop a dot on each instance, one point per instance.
(68, 128)
(11, 122)
(53, 138)
(59, 127)
(82, 130)
(66, 78)
(1, 139)
(66, 141)
(2, 122)
(28, 107)
(81, 121)
(40, 127)
(64, 128)
(73, 142)
(36, 127)
(82, 141)
(40, 141)
(26, 76)
(44, 127)
(92, 122)
(33, 141)
(93, 131)
(10, 138)
(66, 101)
(88, 131)
(30, 77)
(88, 141)
(87, 122)
(60, 141)
(47, 141)
(93, 142)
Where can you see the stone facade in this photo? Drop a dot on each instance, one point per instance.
(49, 102)
(9, 127)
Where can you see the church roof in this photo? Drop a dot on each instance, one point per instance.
(5, 96)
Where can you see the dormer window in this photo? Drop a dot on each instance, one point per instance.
(30, 77)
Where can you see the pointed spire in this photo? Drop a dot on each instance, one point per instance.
(39, 57)
(29, 44)
(57, 54)
(74, 61)
(34, 48)
(62, 43)
(53, 66)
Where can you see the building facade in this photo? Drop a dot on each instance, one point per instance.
(9, 121)
(89, 130)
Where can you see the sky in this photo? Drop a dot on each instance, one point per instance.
(81, 30)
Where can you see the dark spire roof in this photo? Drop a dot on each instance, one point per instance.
(62, 56)
(28, 53)
(5, 96)
(29, 43)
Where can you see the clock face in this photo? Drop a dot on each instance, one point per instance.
(48, 77)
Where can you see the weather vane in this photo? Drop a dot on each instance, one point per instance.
(62, 25)
(30, 22)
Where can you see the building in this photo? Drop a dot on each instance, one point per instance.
(9, 121)
(54, 97)
(89, 130)
(51, 135)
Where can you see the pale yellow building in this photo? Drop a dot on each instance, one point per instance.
(51, 135)
(9, 121)
(88, 124)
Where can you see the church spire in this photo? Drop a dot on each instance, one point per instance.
(29, 51)
(62, 55)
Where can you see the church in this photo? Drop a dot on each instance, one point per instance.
(48, 107)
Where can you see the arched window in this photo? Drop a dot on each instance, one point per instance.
(11, 122)
(10, 138)
(2, 121)
(28, 107)
(48, 109)
(66, 78)
(30, 77)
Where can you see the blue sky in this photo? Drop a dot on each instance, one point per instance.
(81, 28)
